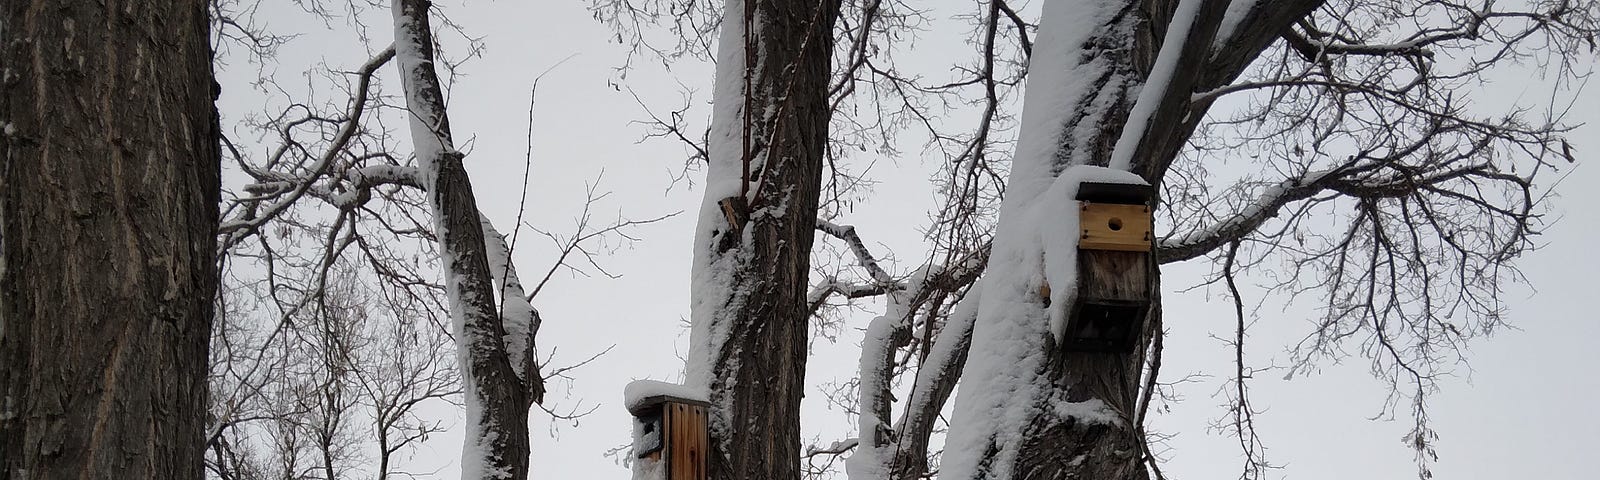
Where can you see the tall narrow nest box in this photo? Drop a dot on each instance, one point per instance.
(1116, 268)
(672, 430)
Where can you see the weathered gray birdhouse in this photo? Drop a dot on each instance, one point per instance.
(672, 430)
(1116, 267)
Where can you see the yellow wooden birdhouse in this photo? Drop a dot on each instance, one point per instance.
(1116, 268)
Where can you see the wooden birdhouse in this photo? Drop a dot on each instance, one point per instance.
(672, 430)
(1116, 266)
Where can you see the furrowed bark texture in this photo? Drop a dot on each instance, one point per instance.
(497, 445)
(757, 359)
(1054, 446)
(108, 218)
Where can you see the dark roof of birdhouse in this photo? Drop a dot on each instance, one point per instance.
(1124, 193)
(645, 405)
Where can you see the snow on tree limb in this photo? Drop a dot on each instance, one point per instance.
(934, 383)
(863, 256)
(521, 320)
(234, 230)
(1163, 91)
(1231, 229)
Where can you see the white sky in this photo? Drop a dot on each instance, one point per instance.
(1522, 408)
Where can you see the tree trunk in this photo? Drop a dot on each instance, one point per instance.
(1081, 406)
(108, 218)
(750, 319)
(1061, 447)
(1123, 52)
(499, 388)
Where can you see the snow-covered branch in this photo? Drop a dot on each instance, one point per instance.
(935, 381)
(1245, 221)
(1166, 89)
(235, 229)
(864, 257)
(498, 387)
(343, 190)
(520, 319)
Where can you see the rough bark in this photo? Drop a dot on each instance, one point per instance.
(757, 366)
(108, 213)
(496, 444)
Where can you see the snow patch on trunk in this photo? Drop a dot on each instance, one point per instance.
(1058, 81)
(712, 273)
(715, 296)
(517, 315)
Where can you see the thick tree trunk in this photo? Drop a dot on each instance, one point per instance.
(499, 388)
(1060, 447)
(770, 136)
(1130, 110)
(108, 217)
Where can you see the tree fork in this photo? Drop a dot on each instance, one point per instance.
(497, 444)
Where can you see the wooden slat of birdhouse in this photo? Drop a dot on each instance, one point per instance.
(1113, 300)
(688, 444)
(1114, 275)
(699, 443)
(679, 464)
(1110, 226)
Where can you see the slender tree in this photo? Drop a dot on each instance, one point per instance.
(335, 206)
(108, 212)
(500, 373)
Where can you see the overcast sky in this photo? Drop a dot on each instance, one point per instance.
(1522, 407)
